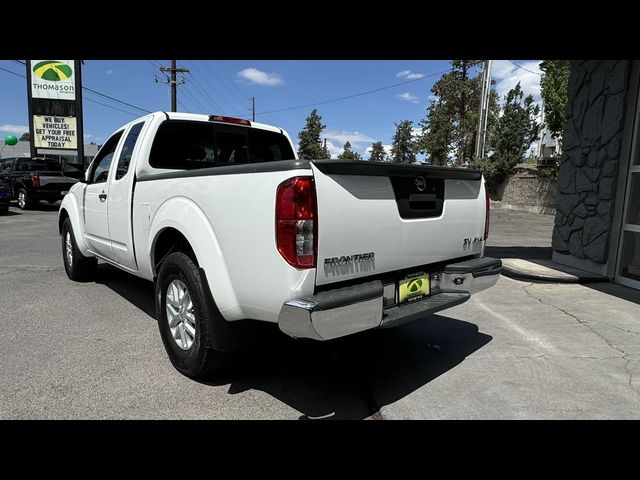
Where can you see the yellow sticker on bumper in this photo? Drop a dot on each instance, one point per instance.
(413, 289)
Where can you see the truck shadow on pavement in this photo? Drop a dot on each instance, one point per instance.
(136, 290)
(353, 377)
(347, 378)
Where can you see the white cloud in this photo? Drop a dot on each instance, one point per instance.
(408, 97)
(253, 76)
(109, 72)
(432, 98)
(341, 137)
(507, 75)
(334, 150)
(15, 129)
(88, 135)
(409, 75)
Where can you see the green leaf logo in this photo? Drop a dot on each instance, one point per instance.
(415, 285)
(52, 70)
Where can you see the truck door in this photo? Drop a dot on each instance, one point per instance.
(121, 185)
(96, 225)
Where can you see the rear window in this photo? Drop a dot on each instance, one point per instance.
(189, 145)
(32, 164)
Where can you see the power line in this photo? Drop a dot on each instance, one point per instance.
(354, 95)
(525, 69)
(115, 99)
(204, 89)
(111, 106)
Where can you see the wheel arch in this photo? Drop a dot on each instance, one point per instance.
(180, 221)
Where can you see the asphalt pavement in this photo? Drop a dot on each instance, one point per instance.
(518, 350)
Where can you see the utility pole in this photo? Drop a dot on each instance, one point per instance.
(484, 109)
(253, 108)
(542, 132)
(170, 73)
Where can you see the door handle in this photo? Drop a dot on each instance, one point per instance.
(102, 197)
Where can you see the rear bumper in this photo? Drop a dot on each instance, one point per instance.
(344, 311)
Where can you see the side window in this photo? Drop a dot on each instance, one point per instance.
(127, 150)
(102, 162)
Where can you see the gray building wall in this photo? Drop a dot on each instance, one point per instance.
(592, 152)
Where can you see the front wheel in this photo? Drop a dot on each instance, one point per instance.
(182, 310)
(78, 267)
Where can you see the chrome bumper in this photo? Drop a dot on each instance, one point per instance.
(341, 312)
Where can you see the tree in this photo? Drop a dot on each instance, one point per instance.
(437, 132)
(554, 89)
(378, 153)
(452, 118)
(26, 136)
(348, 154)
(403, 149)
(516, 129)
(310, 146)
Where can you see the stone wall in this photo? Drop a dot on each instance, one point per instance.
(528, 191)
(591, 153)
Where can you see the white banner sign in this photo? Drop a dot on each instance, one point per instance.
(53, 79)
(55, 132)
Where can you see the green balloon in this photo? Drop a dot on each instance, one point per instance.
(10, 140)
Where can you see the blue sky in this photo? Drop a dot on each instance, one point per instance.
(226, 86)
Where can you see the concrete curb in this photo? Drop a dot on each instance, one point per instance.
(521, 274)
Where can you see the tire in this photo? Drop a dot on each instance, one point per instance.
(4, 209)
(190, 353)
(78, 267)
(24, 199)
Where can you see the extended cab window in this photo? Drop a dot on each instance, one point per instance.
(127, 150)
(187, 145)
(103, 159)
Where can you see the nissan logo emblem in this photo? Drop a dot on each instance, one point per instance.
(421, 183)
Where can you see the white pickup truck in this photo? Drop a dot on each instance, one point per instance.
(229, 225)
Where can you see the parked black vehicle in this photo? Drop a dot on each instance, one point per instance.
(34, 179)
(5, 196)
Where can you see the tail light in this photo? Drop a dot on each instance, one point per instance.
(487, 210)
(35, 180)
(296, 222)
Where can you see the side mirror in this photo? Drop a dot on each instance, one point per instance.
(73, 171)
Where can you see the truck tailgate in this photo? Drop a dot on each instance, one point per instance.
(380, 217)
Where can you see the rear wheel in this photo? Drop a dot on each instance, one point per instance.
(182, 309)
(78, 267)
(24, 199)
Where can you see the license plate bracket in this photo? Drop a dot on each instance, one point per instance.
(414, 288)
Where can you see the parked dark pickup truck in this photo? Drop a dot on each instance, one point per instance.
(34, 179)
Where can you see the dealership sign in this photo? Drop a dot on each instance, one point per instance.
(55, 132)
(53, 79)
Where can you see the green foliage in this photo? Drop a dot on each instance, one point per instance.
(452, 118)
(378, 153)
(403, 148)
(516, 129)
(348, 154)
(310, 146)
(554, 89)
